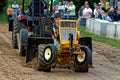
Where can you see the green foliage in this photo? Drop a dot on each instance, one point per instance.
(109, 41)
(2, 4)
(3, 15)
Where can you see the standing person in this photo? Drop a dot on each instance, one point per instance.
(65, 6)
(60, 7)
(118, 9)
(95, 13)
(106, 17)
(82, 21)
(15, 8)
(80, 12)
(9, 12)
(113, 3)
(105, 4)
(87, 12)
(44, 6)
(71, 9)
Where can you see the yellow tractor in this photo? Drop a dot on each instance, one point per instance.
(67, 47)
(35, 40)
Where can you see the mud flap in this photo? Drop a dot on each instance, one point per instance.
(87, 41)
(30, 54)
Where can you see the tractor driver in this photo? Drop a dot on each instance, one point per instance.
(44, 5)
(57, 18)
(36, 7)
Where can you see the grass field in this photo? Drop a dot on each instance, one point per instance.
(3, 15)
(112, 42)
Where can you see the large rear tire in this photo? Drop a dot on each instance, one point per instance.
(16, 28)
(23, 37)
(81, 62)
(46, 56)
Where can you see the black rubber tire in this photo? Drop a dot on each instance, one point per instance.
(87, 41)
(14, 34)
(83, 66)
(42, 63)
(23, 42)
(16, 28)
(54, 53)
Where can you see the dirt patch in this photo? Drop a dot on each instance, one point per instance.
(106, 60)
(110, 52)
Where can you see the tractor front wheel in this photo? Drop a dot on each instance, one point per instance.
(46, 56)
(81, 61)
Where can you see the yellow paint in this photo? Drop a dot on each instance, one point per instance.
(63, 49)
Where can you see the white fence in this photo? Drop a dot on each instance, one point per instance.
(104, 28)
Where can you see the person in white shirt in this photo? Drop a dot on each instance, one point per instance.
(87, 12)
(65, 6)
(60, 7)
(95, 12)
(71, 9)
(15, 8)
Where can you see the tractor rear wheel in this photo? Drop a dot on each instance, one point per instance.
(14, 34)
(81, 62)
(23, 42)
(16, 28)
(46, 56)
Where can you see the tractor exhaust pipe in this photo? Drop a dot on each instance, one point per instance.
(23, 6)
(71, 43)
(51, 6)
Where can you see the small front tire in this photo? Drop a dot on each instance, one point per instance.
(81, 62)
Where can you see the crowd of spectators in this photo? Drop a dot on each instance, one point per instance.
(105, 10)
(65, 8)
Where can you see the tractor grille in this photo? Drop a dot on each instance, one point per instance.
(65, 34)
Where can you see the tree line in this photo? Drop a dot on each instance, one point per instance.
(3, 3)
